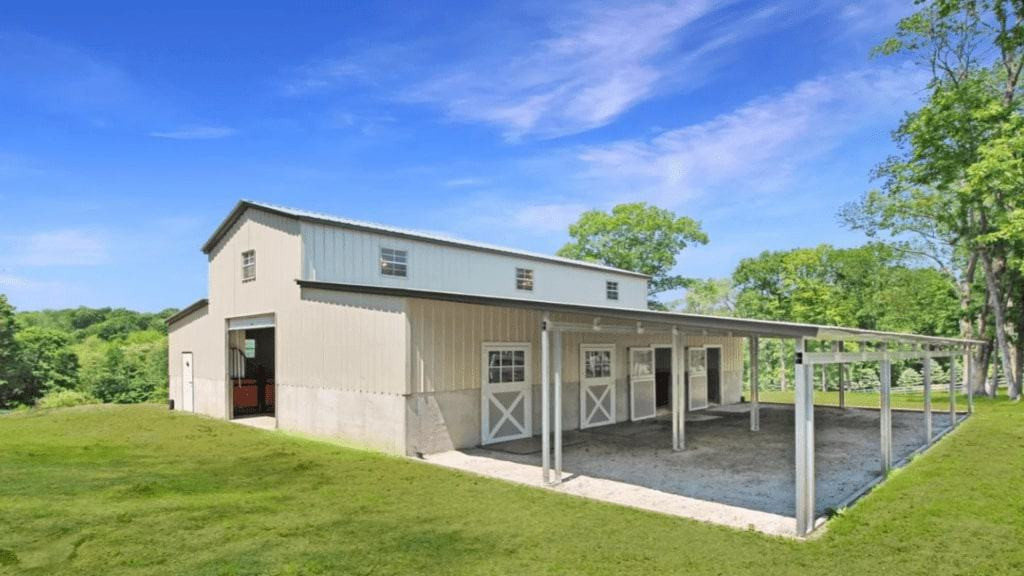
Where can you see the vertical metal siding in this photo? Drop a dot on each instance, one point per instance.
(446, 340)
(333, 254)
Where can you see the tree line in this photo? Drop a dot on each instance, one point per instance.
(81, 355)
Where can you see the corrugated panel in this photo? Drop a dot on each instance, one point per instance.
(446, 340)
(332, 254)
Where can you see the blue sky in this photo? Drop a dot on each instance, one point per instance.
(128, 131)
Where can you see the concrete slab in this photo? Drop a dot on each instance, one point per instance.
(727, 474)
(261, 422)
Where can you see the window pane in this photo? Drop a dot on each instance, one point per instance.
(494, 359)
(493, 375)
(518, 375)
(506, 374)
(519, 357)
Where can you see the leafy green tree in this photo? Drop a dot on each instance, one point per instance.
(10, 356)
(637, 237)
(713, 296)
(47, 362)
(954, 185)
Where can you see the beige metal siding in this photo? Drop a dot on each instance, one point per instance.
(333, 254)
(197, 333)
(446, 340)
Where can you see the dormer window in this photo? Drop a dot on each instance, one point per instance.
(394, 262)
(248, 266)
(611, 290)
(524, 279)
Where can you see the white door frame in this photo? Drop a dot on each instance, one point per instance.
(487, 389)
(691, 374)
(672, 373)
(637, 382)
(188, 382)
(587, 420)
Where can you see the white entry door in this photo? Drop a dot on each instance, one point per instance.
(697, 364)
(188, 387)
(597, 385)
(642, 396)
(506, 393)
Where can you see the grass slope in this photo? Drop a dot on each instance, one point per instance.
(137, 490)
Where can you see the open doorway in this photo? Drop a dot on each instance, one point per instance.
(714, 375)
(252, 371)
(663, 376)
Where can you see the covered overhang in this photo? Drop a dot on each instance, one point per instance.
(876, 346)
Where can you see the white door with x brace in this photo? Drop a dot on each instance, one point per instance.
(506, 393)
(597, 385)
(642, 396)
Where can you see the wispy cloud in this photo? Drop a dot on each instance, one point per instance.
(757, 147)
(196, 132)
(465, 182)
(69, 247)
(594, 65)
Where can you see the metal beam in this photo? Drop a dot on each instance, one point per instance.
(886, 410)
(818, 358)
(838, 348)
(545, 402)
(952, 391)
(755, 405)
(927, 373)
(804, 418)
(558, 405)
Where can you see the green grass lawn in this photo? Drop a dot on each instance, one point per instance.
(866, 399)
(111, 490)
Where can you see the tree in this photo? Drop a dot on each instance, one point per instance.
(10, 355)
(47, 363)
(951, 186)
(713, 296)
(637, 237)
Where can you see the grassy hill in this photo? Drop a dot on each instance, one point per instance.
(108, 489)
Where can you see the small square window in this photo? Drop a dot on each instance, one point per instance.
(394, 262)
(250, 348)
(248, 266)
(611, 290)
(524, 279)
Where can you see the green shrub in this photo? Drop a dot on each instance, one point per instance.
(910, 378)
(64, 398)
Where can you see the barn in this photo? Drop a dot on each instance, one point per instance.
(423, 345)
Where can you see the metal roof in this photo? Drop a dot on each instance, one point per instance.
(718, 325)
(180, 314)
(320, 218)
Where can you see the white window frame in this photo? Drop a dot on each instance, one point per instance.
(249, 266)
(396, 258)
(611, 287)
(524, 279)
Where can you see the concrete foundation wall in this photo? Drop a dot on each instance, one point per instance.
(368, 419)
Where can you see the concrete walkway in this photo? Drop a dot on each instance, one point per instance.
(620, 493)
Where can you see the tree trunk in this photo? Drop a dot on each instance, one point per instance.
(963, 286)
(996, 301)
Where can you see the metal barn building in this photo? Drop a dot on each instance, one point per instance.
(418, 345)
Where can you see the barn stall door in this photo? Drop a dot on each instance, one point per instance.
(506, 393)
(597, 385)
(697, 364)
(188, 388)
(642, 388)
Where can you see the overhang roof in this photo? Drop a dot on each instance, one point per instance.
(180, 314)
(716, 325)
(330, 220)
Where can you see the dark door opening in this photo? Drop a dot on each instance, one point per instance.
(251, 362)
(715, 375)
(662, 376)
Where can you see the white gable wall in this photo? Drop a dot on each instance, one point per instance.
(342, 255)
